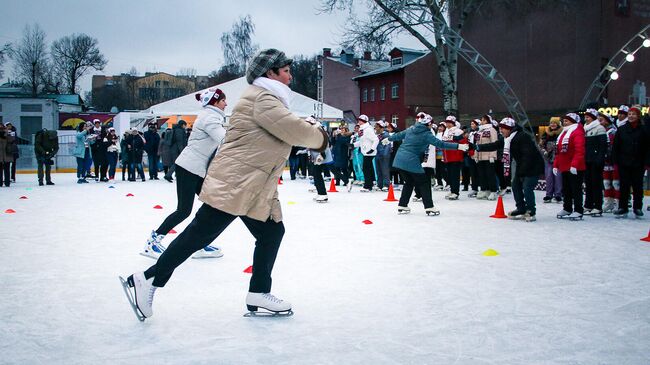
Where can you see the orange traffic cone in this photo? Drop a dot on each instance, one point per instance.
(647, 239)
(391, 194)
(499, 212)
(332, 187)
(280, 181)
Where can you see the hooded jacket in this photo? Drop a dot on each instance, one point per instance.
(415, 141)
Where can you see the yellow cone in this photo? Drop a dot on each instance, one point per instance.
(490, 252)
(291, 203)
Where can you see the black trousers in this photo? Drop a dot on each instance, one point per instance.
(470, 174)
(504, 181)
(594, 186)
(441, 171)
(415, 181)
(453, 176)
(187, 185)
(341, 174)
(206, 226)
(428, 173)
(317, 171)
(5, 173)
(487, 176)
(631, 177)
(13, 169)
(368, 172)
(572, 191)
(48, 169)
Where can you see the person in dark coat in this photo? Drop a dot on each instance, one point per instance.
(46, 145)
(522, 149)
(152, 138)
(100, 154)
(164, 150)
(125, 157)
(135, 145)
(97, 157)
(341, 152)
(394, 173)
(11, 131)
(178, 142)
(630, 152)
(6, 155)
(596, 146)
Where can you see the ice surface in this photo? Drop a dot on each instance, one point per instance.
(408, 289)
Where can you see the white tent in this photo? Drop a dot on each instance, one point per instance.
(301, 105)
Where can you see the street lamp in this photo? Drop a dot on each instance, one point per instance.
(614, 75)
(646, 43)
(629, 57)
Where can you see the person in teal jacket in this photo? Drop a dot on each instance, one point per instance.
(357, 157)
(415, 140)
(82, 152)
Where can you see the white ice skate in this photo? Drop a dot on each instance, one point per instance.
(516, 214)
(208, 252)
(610, 204)
(321, 199)
(416, 199)
(274, 306)
(482, 195)
(139, 292)
(595, 213)
(575, 216)
(529, 217)
(432, 211)
(451, 196)
(403, 210)
(473, 194)
(154, 248)
(563, 214)
(586, 211)
(492, 196)
(364, 190)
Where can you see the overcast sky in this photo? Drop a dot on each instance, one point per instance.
(165, 35)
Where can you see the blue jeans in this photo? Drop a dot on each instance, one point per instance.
(112, 164)
(153, 165)
(80, 168)
(523, 190)
(88, 162)
(293, 166)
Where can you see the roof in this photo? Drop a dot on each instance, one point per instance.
(364, 65)
(301, 105)
(70, 99)
(393, 68)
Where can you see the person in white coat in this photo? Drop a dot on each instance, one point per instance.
(367, 142)
(207, 135)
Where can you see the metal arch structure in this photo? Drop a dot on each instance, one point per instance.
(615, 63)
(476, 60)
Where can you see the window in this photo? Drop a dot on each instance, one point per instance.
(396, 61)
(157, 83)
(29, 126)
(149, 93)
(394, 118)
(110, 82)
(172, 92)
(364, 95)
(394, 89)
(372, 94)
(31, 108)
(382, 93)
(165, 83)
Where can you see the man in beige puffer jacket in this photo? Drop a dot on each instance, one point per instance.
(242, 182)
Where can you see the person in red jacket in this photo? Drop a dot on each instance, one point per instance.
(570, 162)
(453, 159)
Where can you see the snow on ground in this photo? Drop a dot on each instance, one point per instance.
(407, 289)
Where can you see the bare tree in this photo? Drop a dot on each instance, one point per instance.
(238, 45)
(304, 71)
(30, 58)
(388, 18)
(187, 72)
(73, 56)
(4, 53)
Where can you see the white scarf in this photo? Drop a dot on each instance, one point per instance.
(590, 126)
(567, 133)
(620, 123)
(506, 153)
(282, 91)
(450, 133)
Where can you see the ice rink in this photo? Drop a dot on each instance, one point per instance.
(407, 289)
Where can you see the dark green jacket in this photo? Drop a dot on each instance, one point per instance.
(46, 143)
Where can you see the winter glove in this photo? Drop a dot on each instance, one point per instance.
(370, 152)
(310, 120)
(574, 171)
(385, 142)
(463, 147)
(555, 171)
(473, 146)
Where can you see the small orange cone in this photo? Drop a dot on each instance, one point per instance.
(333, 187)
(279, 181)
(647, 239)
(499, 212)
(157, 207)
(172, 232)
(10, 211)
(391, 194)
(249, 270)
(367, 221)
(23, 197)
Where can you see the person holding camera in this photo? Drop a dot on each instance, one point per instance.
(46, 145)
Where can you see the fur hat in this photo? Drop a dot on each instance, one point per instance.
(212, 94)
(623, 109)
(265, 60)
(636, 108)
(608, 118)
(593, 113)
(133, 131)
(97, 121)
(507, 123)
(363, 118)
(381, 123)
(572, 117)
(451, 119)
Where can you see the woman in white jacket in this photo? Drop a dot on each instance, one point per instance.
(367, 142)
(191, 166)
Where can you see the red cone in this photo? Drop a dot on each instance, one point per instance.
(647, 239)
(172, 232)
(249, 270)
(332, 187)
(391, 194)
(157, 207)
(10, 211)
(499, 212)
(129, 194)
(23, 197)
(367, 221)
(280, 181)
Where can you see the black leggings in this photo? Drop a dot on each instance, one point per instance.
(487, 176)
(368, 172)
(572, 191)
(421, 182)
(187, 184)
(206, 226)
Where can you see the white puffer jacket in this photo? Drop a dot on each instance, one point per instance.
(368, 141)
(207, 135)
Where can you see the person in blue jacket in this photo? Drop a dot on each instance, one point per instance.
(415, 140)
